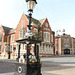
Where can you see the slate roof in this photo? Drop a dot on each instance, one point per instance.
(6, 29)
(12, 31)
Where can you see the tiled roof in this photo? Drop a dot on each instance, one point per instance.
(6, 29)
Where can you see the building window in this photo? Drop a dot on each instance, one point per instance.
(22, 46)
(0, 37)
(44, 36)
(43, 46)
(11, 47)
(12, 38)
(40, 47)
(16, 46)
(23, 24)
(52, 48)
(49, 47)
(3, 48)
(8, 39)
(46, 47)
(47, 36)
(22, 33)
(66, 39)
(0, 47)
(46, 24)
(51, 38)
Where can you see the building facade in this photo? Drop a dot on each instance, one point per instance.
(74, 44)
(8, 37)
(64, 45)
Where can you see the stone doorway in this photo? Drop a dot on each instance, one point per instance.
(66, 51)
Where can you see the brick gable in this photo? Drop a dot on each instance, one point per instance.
(23, 19)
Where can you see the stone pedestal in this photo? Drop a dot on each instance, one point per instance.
(20, 69)
(33, 69)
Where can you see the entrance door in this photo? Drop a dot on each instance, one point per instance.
(67, 51)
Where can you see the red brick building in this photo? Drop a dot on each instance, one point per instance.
(65, 45)
(8, 36)
(74, 44)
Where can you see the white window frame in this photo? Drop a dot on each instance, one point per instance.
(20, 33)
(12, 38)
(8, 39)
(46, 24)
(51, 37)
(17, 47)
(66, 39)
(23, 24)
(11, 47)
(46, 37)
(51, 48)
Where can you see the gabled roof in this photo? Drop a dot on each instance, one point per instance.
(35, 21)
(6, 29)
(42, 21)
(12, 31)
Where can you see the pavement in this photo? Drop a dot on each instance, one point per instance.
(59, 65)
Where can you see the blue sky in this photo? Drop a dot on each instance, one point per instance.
(60, 13)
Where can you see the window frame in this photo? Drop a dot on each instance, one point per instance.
(46, 37)
(12, 37)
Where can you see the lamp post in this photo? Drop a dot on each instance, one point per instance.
(30, 4)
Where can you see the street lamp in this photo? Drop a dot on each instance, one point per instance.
(30, 4)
